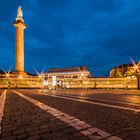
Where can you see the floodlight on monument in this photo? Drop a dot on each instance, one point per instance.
(40, 75)
(20, 77)
(6, 74)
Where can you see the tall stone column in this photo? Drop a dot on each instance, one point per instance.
(19, 55)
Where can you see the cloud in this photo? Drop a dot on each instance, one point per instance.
(99, 34)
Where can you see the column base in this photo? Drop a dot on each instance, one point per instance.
(19, 74)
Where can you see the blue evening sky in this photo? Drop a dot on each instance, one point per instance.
(67, 33)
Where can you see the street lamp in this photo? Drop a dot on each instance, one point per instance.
(136, 68)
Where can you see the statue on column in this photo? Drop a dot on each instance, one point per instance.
(19, 14)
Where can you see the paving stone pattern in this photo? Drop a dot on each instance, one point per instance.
(2, 103)
(122, 123)
(24, 121)
(84, 128)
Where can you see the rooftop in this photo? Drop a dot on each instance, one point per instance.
(74, 69)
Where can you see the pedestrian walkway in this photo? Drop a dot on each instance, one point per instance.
(23, 120)
(26, 118)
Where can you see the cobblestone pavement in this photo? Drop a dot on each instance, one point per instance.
(119, 122)
(120, 95)
(101, 99)
(24, 120)
(36, 115)
(2, 104)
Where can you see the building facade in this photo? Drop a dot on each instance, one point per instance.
(54, 76)
(125, 70)
(80, 78)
